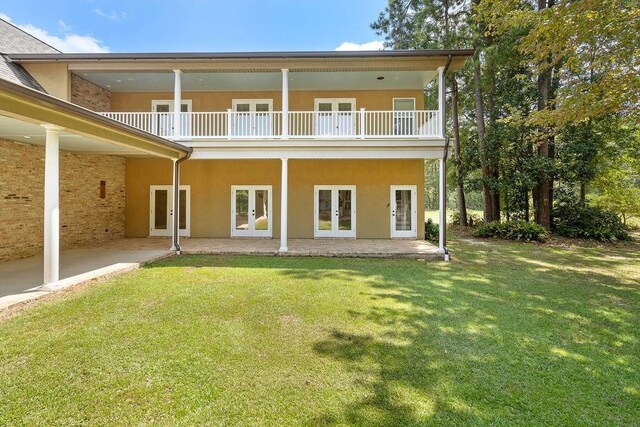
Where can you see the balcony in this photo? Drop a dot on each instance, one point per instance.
(361, 124)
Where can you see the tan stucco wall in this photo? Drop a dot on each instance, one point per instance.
(298, 100)
(85, 218)
(55, 78)
(211, 182)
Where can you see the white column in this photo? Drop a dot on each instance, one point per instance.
(285, 103)
(175, 226)
(441, 99)
(284, 193)
(177, 103)
(442, 205)
(51, 206)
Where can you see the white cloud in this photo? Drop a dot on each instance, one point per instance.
(373, 45)
(70, 43)
(64, 26)
(113, 15)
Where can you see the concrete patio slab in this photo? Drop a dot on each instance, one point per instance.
(21, 280)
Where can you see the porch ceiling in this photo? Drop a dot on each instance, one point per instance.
(203, 81)
(31, 133)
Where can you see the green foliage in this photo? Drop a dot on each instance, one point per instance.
(512, 230)
(473, 219)
(431, 231)
(573, 218)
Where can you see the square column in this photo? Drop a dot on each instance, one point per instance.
(284, 193)
(441, 99)
(51, 206)
(177, 103)
(285, 103)
(175, 233)
(442, 205)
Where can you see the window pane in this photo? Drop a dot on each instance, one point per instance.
(183, 210)
(262, 107)
(242, 209)
(344, 209)
(404, 104)
(403, 210)
(324, 106)
(162, 108)
(160, 209)
(324, 210)
(244, 108)
(184, 108)
(345, 106)
(262, 209)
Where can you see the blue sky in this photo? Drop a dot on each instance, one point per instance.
(197, 25)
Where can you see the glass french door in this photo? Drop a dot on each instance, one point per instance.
(161, 210)
(162, 123)
(335, 117)
(251, 214)
(404, 116)
(404, 211)
(252, 117)
(335, 211)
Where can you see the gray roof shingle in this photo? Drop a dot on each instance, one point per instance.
(15, 40)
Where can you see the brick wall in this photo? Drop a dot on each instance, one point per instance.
(89, 95)
(85, 218)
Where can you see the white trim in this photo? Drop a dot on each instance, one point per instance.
(208, 153)
(334, 110)
(334, 232)
(413, 233)
(169, 231)
(252, 103)
(170, 103)
(51, 215)
(393, 103)
(284, 207)
(251, 230)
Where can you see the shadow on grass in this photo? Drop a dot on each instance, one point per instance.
(508, 333)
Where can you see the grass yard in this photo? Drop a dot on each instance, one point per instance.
(506, 334)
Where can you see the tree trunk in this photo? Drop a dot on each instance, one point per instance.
(543, 208)
(526, 205)
(583, 192)
(462, 204)
(479, 109)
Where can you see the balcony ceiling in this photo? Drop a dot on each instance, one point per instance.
(265, 81)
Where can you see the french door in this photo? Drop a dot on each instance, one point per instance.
(404, 120)
(162, 124)
(252, 117)
(161, 210)
(336, 117)
(335, 211)
(251, 214)
(404, 211)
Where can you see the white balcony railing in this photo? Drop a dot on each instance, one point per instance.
(360, 124)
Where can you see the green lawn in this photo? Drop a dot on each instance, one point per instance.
(506, 334)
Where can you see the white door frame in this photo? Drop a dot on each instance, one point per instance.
(251, 230)
(253, 117)
(413, 233)
(334, 110)
(161, 127)
(334, 232)
(152, 199)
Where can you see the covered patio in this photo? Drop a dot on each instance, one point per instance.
(20, 279)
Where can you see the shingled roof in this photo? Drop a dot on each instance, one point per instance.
(15, 40)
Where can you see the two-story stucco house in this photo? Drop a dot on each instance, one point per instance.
(269, 145)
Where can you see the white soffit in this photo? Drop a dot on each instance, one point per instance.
(268, 81)
(31, 133)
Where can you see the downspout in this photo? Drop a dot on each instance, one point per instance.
(176, 203)
(446, 156)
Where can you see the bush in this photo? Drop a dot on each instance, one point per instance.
(572, 218)
(431, 231)
(473, 219)
(512, 230)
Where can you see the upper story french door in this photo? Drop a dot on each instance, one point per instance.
(163, 122)
(252, 117)
(335, 116)
(404, 120)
